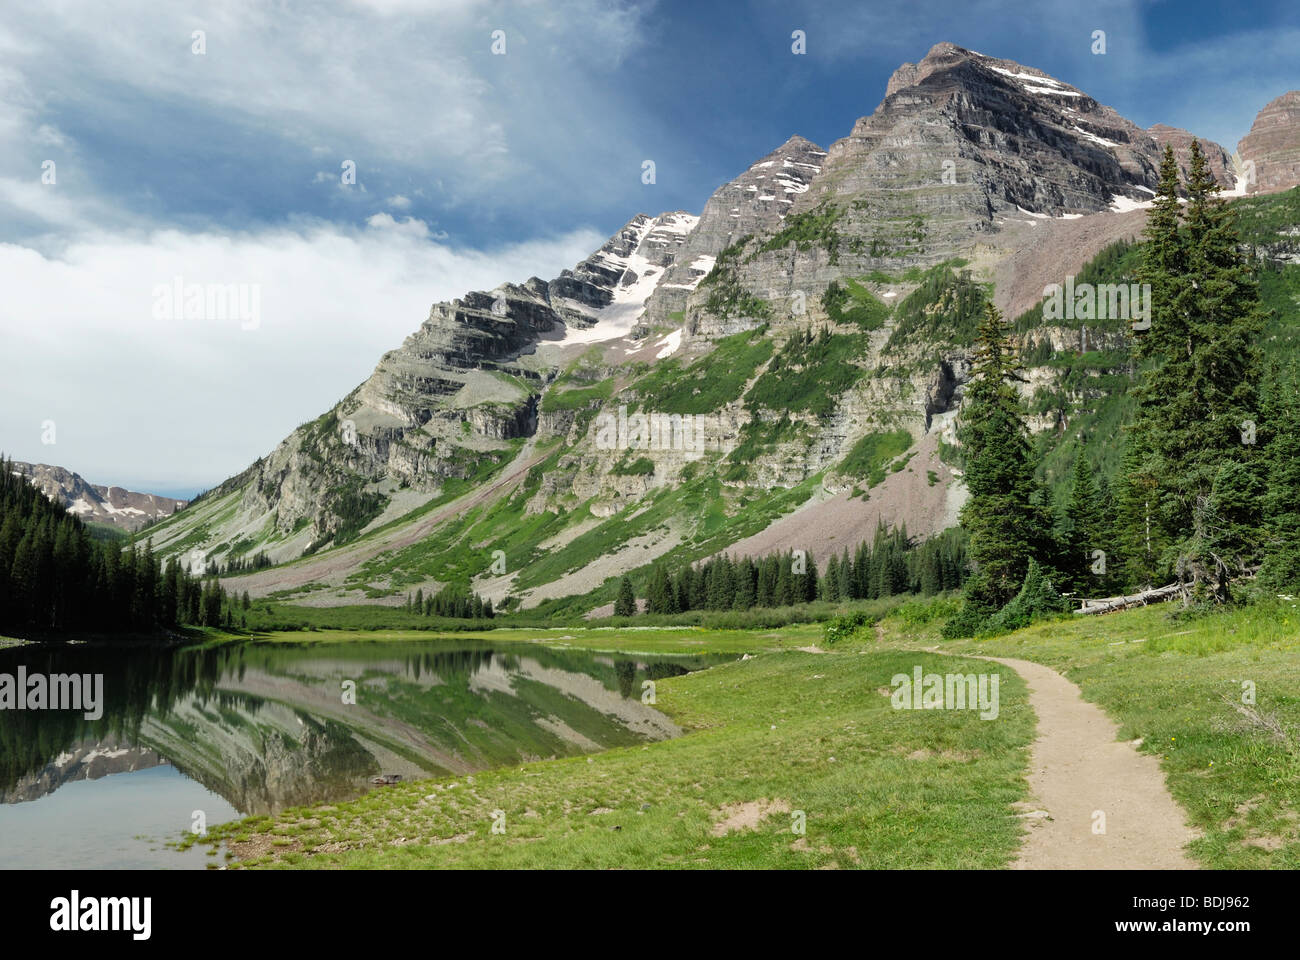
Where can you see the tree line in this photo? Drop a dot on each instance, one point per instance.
(1208, 493)
(453, 600)
(258, 561)
(891, 563)
(56, 578)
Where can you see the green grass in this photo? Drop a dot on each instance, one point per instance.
(906, 789)
(813, 228)
(870, 456)
(910, 275)
(1177, 684)
(1262, 220)
(809, 376)
(708, 384)
(563, 395)
(785, 730)
(640, 467)
(854, 303)
(946, 307)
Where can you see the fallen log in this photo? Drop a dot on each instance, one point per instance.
(1154, 595)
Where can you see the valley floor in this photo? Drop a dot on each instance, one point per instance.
(801, 735)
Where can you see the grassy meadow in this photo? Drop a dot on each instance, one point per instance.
(801, 732)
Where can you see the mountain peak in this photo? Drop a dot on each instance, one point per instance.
(1273, 145)
(945, 56)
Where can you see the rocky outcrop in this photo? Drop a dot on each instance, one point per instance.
(614, 283)
(961, 144)
(753, 204)
(1181, 141)
(1273, 145)
(1008, 136)
(93, 502)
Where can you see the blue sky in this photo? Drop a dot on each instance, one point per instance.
(472, 168)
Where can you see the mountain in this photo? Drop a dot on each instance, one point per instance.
(804, 345)
(95, 503)
(1221, 166)
(754, 203)
(1273, 145)
(83, 760)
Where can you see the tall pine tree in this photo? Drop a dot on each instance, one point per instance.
(1006, 520)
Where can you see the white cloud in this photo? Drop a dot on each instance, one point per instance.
(399, 202)
(401, 87)
(150, 402)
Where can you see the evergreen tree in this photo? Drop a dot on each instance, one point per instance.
(1163, 346)
(1198, 401)
(625, 605)
(699, 591)
(722, 586)
(745, 576)
(808, 580)
(783, 594)
(1083, 529)
(846, 585)
(767, 582)
(861, 581)
(659, 594)
(682, 587)
(1281, 567)
(1227, 323)
(1004, 517)
(831, 582)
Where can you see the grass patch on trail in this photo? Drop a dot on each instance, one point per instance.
(783, 731)
(1178, 684)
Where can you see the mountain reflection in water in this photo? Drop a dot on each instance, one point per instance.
(266, 726)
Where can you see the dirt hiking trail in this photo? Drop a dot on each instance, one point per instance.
(1078, 767)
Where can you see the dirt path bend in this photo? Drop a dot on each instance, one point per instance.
(1078, 769)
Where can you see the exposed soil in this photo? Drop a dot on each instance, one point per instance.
(828, 526)
(747, 816)
(1045, 251)
(1080, 772)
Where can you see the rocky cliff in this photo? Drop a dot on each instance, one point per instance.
(1273, 145)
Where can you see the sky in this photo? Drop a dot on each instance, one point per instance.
(337, 167)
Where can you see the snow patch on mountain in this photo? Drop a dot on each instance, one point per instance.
(671, 344)
(639, 275)
(1122, 204)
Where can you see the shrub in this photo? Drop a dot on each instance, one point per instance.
(1036, 600)
(846, 626)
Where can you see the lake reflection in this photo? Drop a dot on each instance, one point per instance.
(260, 727)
